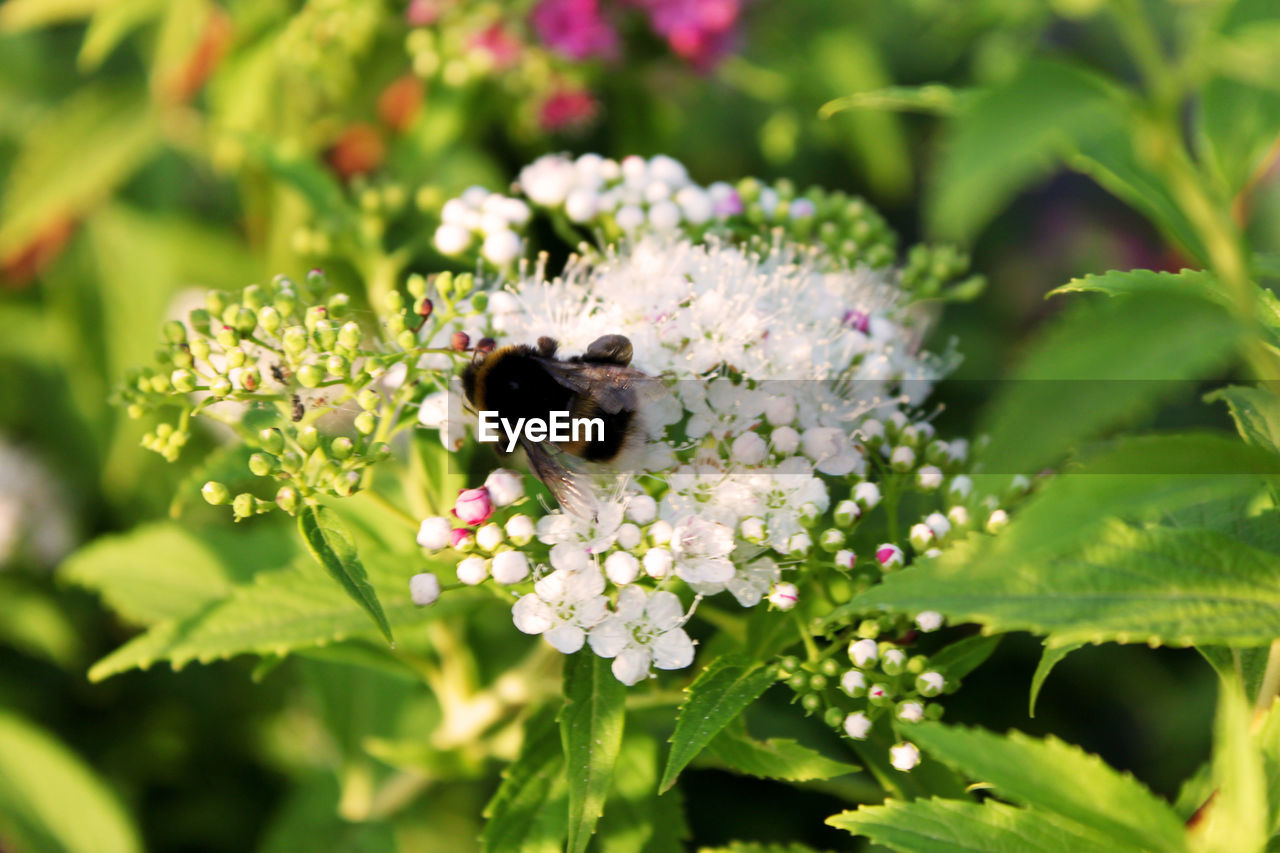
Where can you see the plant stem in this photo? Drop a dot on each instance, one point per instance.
(1270, 683)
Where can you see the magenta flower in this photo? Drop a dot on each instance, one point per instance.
(503, 48)
(473, 506)
(574, 28)
(700, 31)
(566, 108)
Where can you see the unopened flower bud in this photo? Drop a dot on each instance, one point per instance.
(799, 544)
(215, 493)
(242, 505)
(938, 523)
(642, 509)
(780, 410)
(220, 386)
(845, 559)
(310, 375)
(893, 662)
(854, 683)
(489, 537)
(227, 337)
(183, 381)
(784, 596)
(621, 567)
(461, 539)
(872, 432)
(904, 756)
(460, 341)
(867, 495)
(505, 486)
(424, 588)
(510, 567)
(857, 725)
(658, 562)
(629, 536)
(262, 464)
(928, 621)
(997, 521)
(831, 540)
(473, 506)
(660, 532)
(960, 486)
(911, 712)
(921, 537)
(847, 512)
(308, 438)
(880, 695)
(930, 683)
(295, 340)
(520, 529)
(749, 449)
(287, 499)
(365, 423)
(929, 477)
(889, 555)
(784, 441)
(958, 516)
(863, 652)
(902, 459)
(472, 570)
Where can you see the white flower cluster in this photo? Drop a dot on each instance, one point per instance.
(491, 218)
(793, 377)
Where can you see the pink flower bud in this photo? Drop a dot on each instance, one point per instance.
(460, 537)
(784, 596)
(890, 556)
(473, 506)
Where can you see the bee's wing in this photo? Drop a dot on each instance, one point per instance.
(612, 386)
(571, 490)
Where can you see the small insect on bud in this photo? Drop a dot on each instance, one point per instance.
(784, 596)
(857, 725)
(460, 341)
(424, 588)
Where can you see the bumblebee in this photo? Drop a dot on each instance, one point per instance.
(528, 382)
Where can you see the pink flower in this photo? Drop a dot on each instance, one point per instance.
(574, 28)
(473, 506)
(502, 47)
(422, 13)
(700, 31)
(567, 108)
(458, 537)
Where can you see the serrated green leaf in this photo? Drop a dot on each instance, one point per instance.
(1049, 658)
(332, 546)
(775, 758)
(1098, 368)
(962, 657)
(278, 612)
(933, 98)
(1192, 283)
(1058, 778)
(591, 725)
(758, 847)
(1256, 413)
(528, 786)
(1236, 821)
(1157, 585)
(163, 571)
(51, 802)
(1009, 136)
(956, 826)
(720, 693)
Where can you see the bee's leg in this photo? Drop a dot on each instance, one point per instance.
(609, 349)
(547, 346)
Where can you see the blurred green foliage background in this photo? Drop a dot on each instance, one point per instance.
(149, 146)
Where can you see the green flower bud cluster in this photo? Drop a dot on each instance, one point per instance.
(936, 272)
(378, 206)
(287, 355)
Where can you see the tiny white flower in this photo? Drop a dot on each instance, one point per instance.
(863, 652)
(424, 588)
(961, 486)
(911, 712)
(853, 682)
(562, 607)
(581, 205)
(569, 557)
(510, 567)
(433, 533)
(664, 216)
(660, 532)
(701, 550)
(668, 170)
(472, 570)
(644, 630)
(505, 486)
(959, 516)
(489, 537)
(629, 536)
(547, 180)
(997, 521)
(784, 596)
(452, 239)
(929, 477)
(695, 204)
(749, 449)
(780, 409)
(799, 544)
(501, 247)
(904, 756)
(520, 529)
(784, 440)
(867, 495)
(658, 562)
(857, 725)
(939, 524)
(642, 509)
(929, 620)
(621, 568)
(629, 217)
(457, 212)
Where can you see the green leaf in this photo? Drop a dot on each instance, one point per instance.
(282, 611)
(331, 544)
(1245, 666)
(775, 758)
(51, 802)
(1159, 585)
(632, 814)
(515, 814)
(19, 15)
(759, 847)
(1102, 365)
(315, 184)
(35, 623)
(932, 98)
(1236, 819)
(41, 189)
(109, 26)
(720, 693)
(956, 826)
(163, 571)
(964, 656)
(311, 811)
(1192, 283)
(1049, 658)
(1009, 136)
(1059, 778)
(591, 724)
(1256, 413)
